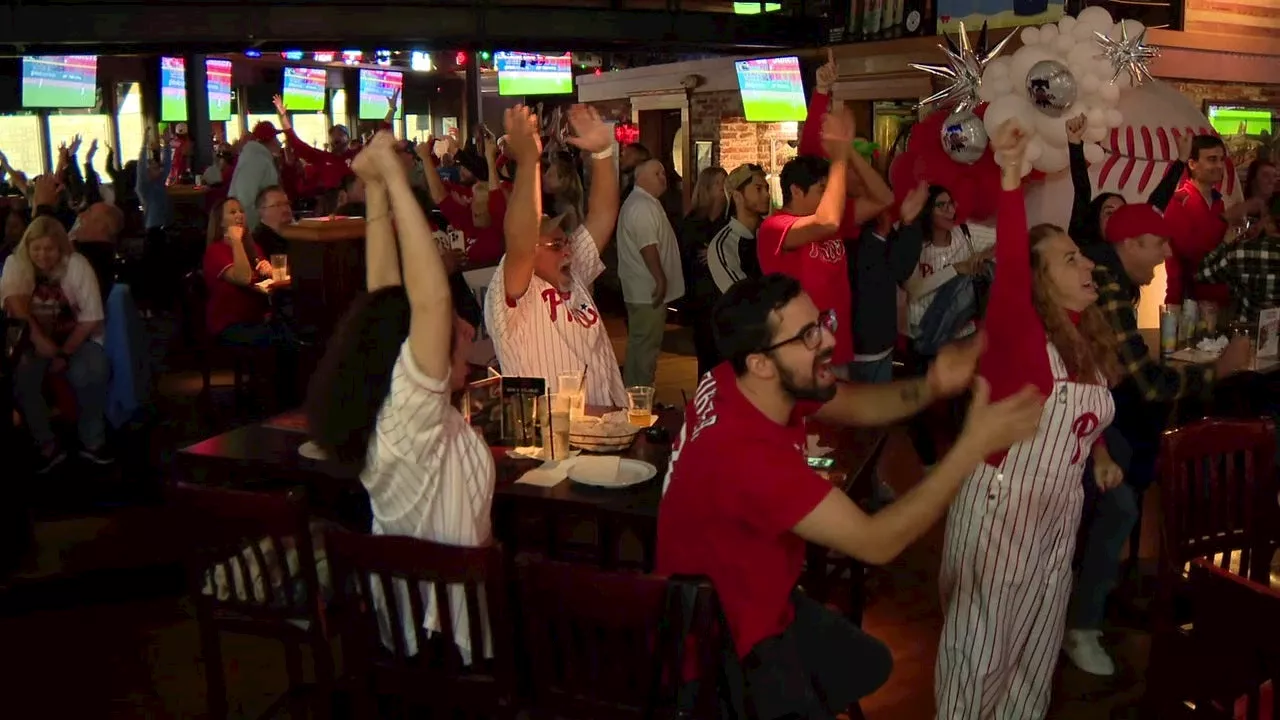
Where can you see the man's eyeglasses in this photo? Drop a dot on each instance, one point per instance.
(556, 244)
(810, 335)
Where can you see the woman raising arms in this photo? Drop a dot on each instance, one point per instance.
(382, 393)
(1006, 567)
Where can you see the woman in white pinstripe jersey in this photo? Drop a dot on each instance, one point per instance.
(1006, 566)
(382, 394)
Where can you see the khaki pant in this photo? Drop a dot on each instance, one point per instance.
(645, 327)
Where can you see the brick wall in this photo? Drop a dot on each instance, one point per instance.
(1229, 92)
(717, 117)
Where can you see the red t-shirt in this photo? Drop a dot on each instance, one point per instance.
(1198, 227)
(229, 303)
(737, 484)
(821, 268)
(330, 168)
(485, 245)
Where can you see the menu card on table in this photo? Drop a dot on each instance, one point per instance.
(505, 409)
(1269, 332)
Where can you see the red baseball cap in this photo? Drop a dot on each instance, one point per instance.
(264, 131)
(1134, 219)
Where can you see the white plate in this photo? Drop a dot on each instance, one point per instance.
(630, 472)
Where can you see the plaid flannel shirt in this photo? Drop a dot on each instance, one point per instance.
(1251, 268)
(1154, 381)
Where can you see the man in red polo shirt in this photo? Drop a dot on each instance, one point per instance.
(803, 239)
(740, 501)
(1200, 220)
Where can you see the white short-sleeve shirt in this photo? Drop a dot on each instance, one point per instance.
(546, 332)
(429, 475)
(79, 284)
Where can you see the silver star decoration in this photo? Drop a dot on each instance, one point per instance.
(964, 70)
(1128, 54)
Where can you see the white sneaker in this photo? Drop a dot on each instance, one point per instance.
(1086, 652)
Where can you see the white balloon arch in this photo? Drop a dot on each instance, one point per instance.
(1072, 43)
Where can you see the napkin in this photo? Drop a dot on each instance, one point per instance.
(534, 453)
(814, 449)
(549, 474)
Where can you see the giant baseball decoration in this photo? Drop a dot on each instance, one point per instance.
(1132, 157)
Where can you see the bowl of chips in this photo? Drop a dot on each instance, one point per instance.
(605, 434)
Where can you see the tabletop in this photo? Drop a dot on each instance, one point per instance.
(266, 456)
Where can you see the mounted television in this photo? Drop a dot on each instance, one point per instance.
(217, 76)
(1235, 119)
(772, 89)
(304, 88)
(521, 73)
(173, 89)
(376, 88)
(60, 81)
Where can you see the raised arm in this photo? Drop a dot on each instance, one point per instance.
(811, 134)
(17, 179)
(592, 136)
(92, 183)
(381, 259)
(434, 184)
(523, 220)
(1163, 193)
(425, 280)
(1081, 185)
(837, 131)
(1015, 331)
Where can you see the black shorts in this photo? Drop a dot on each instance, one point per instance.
(815, 669)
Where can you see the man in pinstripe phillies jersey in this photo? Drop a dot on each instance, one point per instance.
(539, 308)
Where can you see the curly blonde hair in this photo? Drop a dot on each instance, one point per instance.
(1088, 348)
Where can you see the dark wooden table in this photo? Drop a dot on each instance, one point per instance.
(264, 456)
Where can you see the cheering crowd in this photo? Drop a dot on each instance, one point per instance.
(795, 313)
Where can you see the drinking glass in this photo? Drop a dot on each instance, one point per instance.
(571, 385)
(555, 435)
(640, 405)
(279, 267)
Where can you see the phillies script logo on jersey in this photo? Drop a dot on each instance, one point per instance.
(1082, 427)
(583, 313)
(830, 251)
(926, 269)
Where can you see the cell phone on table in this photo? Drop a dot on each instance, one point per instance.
(822, 463)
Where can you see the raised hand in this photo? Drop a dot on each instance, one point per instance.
(75, 144)
(1075, 129)
(913, 203)
(278, 101)
(522, 134)
(93, 149)
(46, 190)
(838, 134)
(1183, 141)
(1010, 143)
(589, 131)
(393, 102)
(827, 74)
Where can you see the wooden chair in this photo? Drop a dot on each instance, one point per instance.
(1218, 489)
(209, 352)
(601, 643)
(416, 668)
(251, 569)
(1236, 641)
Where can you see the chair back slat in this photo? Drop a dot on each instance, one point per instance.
(387, 588)
(1218, 488)
(249, 555)
(597, 639)
(1236, 638)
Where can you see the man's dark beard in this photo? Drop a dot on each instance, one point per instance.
(800, 392)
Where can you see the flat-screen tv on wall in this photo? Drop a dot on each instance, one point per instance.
(376, 89)
(522, 73)
(772, 89)
(60, 81)
(304, 88)
(217, 75)
(173, 89)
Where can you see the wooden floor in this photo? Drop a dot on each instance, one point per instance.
(139, 659)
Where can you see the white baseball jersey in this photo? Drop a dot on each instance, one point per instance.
(1006, 564)
(546, 332)
(935, 269)
(429, 475)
